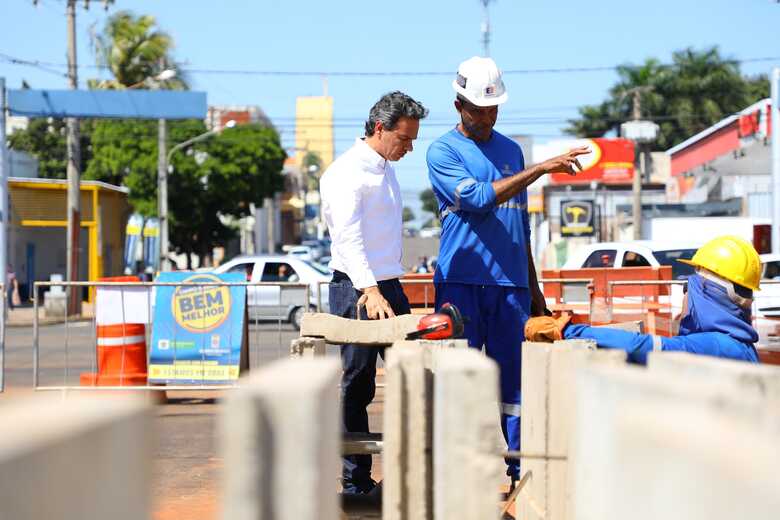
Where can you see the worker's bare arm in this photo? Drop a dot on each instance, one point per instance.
(510, 186)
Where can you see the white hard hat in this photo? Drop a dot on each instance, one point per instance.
(479, 81)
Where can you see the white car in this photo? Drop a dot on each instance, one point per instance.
(275, 302)
(767, 300)
(639, 253)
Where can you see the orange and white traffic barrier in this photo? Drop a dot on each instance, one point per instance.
(121, 356)
(120, 351)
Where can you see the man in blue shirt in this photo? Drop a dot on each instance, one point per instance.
(485, 266)
(715, 316)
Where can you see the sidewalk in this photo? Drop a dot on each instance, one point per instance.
(23, 316)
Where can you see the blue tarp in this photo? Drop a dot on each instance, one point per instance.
(141, 104)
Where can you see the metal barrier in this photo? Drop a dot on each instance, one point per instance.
(658, 314)
(765, 309)
(569, 300)
(253, 347)
(403, 282)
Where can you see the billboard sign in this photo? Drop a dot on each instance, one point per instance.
(197, 330)
(610, 161)
(577, 218)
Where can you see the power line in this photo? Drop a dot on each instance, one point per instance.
(36, 64)
(259, 72)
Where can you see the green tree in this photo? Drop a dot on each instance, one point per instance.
(243, 166)
(136, 51)
(44, 138)
(697, 90)
(408, 214)
(431, 205)
(212, 179)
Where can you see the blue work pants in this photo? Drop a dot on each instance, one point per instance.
(495, 319)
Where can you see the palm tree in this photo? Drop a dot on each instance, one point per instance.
(597, 120)
(704, 89)
(696, 91)
(136, 52)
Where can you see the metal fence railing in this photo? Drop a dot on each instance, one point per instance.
(63, 351)
(427, 301)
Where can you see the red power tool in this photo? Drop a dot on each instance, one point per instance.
(445, 324)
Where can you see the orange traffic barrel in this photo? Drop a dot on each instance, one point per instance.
(121, 352)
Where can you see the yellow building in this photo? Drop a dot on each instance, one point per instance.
(314, 128)
(38, 223)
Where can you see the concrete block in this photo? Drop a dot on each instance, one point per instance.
(655, 446)
(281, 442)
(335, 329)
(55, 303)
(467, 468)
(407, 438)
(83, 458)
(547, 420)
(307, 347)
(762, 382)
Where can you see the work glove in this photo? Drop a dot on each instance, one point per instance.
(546, 328)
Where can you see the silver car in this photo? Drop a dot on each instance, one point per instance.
(269, 302)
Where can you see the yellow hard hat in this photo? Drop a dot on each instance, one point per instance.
(731, 258)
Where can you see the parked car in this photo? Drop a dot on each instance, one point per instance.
(303, 252)
(277, 303)
(767, 300)
(639, 253)
(318, 248)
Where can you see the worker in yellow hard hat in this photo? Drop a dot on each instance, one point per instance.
(715, 316)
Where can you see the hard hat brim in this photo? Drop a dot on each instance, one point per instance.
(694, 264)
(485, 102)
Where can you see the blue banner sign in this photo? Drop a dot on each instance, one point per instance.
(197, 330)
(129, 104)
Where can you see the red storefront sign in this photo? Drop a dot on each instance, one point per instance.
(610, 161)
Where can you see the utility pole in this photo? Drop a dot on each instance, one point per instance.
(162, 190)
(74, 181)
(485, 28)
(636, 205)
(775, 120)
(641, 132)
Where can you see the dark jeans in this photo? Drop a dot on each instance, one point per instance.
(359, 365)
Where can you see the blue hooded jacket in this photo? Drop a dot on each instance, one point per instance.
(713, 326)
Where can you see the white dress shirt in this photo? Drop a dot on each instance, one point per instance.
(361, 203)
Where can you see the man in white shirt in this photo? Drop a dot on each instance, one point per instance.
(361, 203)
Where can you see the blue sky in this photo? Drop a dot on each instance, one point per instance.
(404, 35)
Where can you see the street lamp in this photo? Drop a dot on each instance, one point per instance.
(162, 189)
(164, 75)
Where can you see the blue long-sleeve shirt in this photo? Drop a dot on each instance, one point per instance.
(713, 325)
(482, 243)
(638, 346)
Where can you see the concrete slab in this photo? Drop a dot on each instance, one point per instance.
(547, 421)
(467, 468)
(694, 464)
(760, 381)
(410, 369)
(281, 442)
(335, 329)
(607, 396)
(83, 458)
